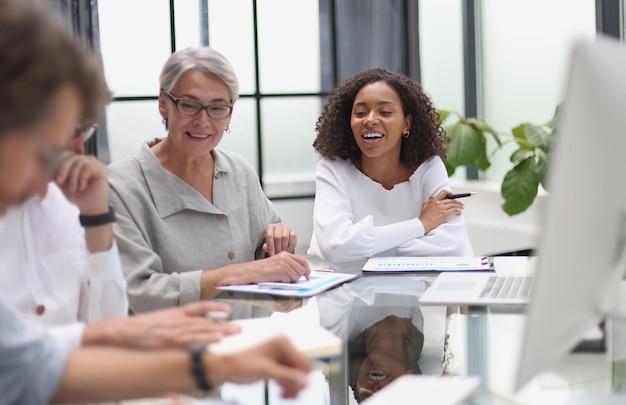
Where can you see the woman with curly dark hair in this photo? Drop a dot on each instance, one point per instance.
(381, 182)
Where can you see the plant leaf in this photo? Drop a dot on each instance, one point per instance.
(537, 136)
(519, 135)
(519, 131)
(482, 161)
(450, 169)
(542, 163)
(485, 128)
(557, 111)
(443, 115)
(519, 155)
(519, 187)
(466, 145)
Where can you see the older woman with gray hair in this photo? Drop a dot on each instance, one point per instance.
(192, 217)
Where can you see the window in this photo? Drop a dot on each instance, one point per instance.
(285, 65)
(525, 50)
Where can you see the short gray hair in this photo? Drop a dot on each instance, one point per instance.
(204, 59)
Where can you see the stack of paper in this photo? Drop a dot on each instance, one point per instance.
(312, 340)
(427, 264)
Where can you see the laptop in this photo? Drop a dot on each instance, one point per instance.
(510, 284)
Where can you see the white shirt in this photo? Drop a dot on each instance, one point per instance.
(355, 217)
(31, 362)
(48, 274)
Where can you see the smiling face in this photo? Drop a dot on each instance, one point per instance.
(378, 121)
(376, 372)
(199, 134)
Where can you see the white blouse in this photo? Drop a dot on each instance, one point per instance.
(48, 275)
(355, 217)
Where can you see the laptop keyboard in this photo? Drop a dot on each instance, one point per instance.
(508, 287)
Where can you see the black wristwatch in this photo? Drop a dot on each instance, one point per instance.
(97, 220)
(197, 367)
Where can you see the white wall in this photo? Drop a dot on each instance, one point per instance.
(298, 214)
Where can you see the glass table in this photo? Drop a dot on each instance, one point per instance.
(388, 334)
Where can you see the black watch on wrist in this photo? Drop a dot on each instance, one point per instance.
(97, 220)
(197, 367)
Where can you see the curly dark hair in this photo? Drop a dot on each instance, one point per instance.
(334, 135)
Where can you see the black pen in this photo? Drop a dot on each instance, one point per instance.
(460, 195)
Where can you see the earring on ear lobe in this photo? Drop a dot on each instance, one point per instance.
(227, 129)
(164, 121)
(406, 135)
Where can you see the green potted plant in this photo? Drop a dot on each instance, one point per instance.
(466, 144)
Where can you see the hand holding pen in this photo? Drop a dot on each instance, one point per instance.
(438, 209)
(460, 195)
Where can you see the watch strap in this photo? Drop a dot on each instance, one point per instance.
(197, 367)
(97, 220)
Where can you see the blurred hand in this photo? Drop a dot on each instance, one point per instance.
(168, 328)
(285, 267)
(279, 238)
(437, 211)
(84, 181)
(276, 359)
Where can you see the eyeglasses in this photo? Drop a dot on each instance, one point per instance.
(190, 107)
(89, 131)
(50, 158)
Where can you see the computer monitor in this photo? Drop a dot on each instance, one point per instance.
(583, 240)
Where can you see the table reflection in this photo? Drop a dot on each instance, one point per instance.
(383, 352)
(383, 325)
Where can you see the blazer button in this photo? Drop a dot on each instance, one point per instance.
(231, 255)
(217, 175)
(220, 217)
(40, 310)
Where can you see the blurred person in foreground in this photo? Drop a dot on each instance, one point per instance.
(47, 84)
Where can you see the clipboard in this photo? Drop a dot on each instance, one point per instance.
(320, 281)
(435, 264)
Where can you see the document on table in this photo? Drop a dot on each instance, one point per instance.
(320, 281)
(312, 340)
(427, 264)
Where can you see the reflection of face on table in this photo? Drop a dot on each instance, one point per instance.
(383, 352)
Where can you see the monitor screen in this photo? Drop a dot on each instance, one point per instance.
(582, 244)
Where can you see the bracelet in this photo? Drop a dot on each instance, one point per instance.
(97, 220)
(197, 367)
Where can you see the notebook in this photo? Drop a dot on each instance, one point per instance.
(510, 284)
(312, 340)
(320, 281)
(426, 390)
(426, 264)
